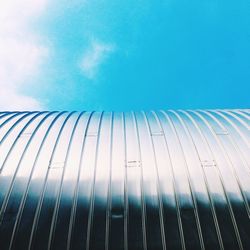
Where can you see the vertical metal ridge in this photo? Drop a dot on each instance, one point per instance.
(3, 114)
(23, 129)
(12, 115)
(172, 129)
(6, 198)
(242, 127)
(134, 230)
(149, 183)
(141, 184)
(174, 182)
(227, 157)
(235, 162)
(194, 114)
(203, 173)
(73, 209)
(5, 135)
(38, 208)
(238, 115)
(116, 192)
(241, 123)
(241, 133)
(90, 215)
(6, 127)
(13, 179)
(56, 207)
(222, 182)
(241, 113)
(125, 186)
(192, 190)
(29, 179)
(159, 194)
(109, 200)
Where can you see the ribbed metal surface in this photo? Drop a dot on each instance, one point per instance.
(153, 180)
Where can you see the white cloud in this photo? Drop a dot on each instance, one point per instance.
(21, 52)
(12, 100)
(94, 56)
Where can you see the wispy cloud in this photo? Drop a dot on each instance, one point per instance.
(94, 56)
(13, 100)
(21, 52)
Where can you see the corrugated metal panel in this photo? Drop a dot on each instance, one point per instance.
(143, 180)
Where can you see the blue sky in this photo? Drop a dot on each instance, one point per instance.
(124, 55)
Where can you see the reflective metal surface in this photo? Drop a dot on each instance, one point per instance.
(143, 180)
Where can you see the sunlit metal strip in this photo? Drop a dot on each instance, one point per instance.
(179, 133)
(34, 165)
(151, 134)
(34, 241)
(75, 193)
(194, 134)
(228, 147)
(161, 119)
(91, 205)
(13, 121)
(8, 116)
(11, 181)
(57, 203)
(217, 152)
(239, 138)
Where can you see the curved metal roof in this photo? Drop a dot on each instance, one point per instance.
(143, 180)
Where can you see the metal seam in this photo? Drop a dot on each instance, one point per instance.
(92, 195)
(109, 200)
(192, 190)
(126, 210)
(22, 203)
(75, 196)
(143, 206)
(57, 203)
(204, 175)
(222, 183)
(159, 194)
(174, 183)
(227, 158)
(6, 198)
(39, 205)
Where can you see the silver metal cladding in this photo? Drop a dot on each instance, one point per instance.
(133, 180)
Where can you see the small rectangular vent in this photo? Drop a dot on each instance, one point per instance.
(221, 132)
(91, 134)
(56, 165)
(157, 133)
(208, 163)
(133, 164)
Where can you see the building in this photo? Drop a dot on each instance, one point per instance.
(134, 180)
